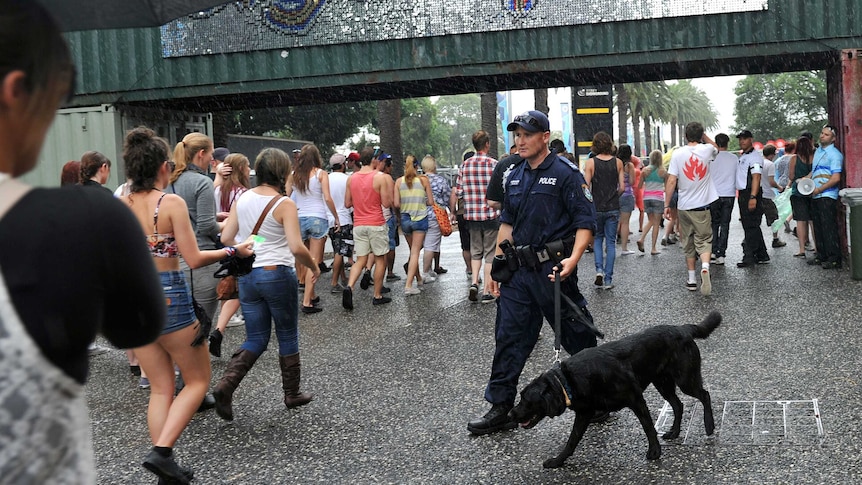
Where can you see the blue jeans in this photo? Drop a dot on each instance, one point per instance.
(524, 304)
(721, 211)
(270, 294)
(606, 235)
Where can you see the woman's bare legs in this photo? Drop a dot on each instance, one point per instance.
(415, 241)
(315, 247)
(228, 309)
(625, 217)
(168, 416)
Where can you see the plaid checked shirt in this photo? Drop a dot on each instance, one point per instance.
(473, 177)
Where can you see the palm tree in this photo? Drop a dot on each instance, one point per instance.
(389, 122)
(691, 104)
(488, 107)
(540, 98)
(622, 103)
(648, 102)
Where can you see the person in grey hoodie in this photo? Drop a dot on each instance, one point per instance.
(192, 157)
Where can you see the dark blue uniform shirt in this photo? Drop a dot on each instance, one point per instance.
(546, 204)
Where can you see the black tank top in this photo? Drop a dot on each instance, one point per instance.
(605, 185)
(801, 169)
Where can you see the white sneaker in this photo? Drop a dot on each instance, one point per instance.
(600, 279)
(412, 291)
(626, 252)
(719, 260)
(705, 283)
(430, 277)
(236, 321)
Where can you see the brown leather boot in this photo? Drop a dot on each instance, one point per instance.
(237, 368)
(290, 373)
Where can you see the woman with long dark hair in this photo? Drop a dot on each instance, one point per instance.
(269, 293)
(95, 169)
(73, 263)
(165, 220)
(800, 167)
(226, 195)
(627, 198)
(308, 186)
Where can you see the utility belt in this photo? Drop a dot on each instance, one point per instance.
(515, 257)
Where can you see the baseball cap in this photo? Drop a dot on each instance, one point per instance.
(354, 156)
(745, 134)
(221, 153)
(383, 156)
(532, 121)
(336, 160)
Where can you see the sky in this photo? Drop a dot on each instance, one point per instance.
(718, 89)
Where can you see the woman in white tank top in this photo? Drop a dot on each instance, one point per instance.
(269, 293)
(308, 186)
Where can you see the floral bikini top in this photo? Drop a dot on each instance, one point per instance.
(161, 245)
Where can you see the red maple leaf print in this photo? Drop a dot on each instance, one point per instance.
(694, 169)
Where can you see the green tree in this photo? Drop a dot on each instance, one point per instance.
(422, 133)
(461, 114)
(326, 125)
(781, 105)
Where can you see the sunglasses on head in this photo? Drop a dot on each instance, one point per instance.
(830, 128)
(525, 118)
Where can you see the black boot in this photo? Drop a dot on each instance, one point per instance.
(494, 420)
(237, 368)
(166, 468)
(290, 375)
(216, 338)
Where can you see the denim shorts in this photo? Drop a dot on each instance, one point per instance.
(627, 203)
(181, 314)
(313, 227)
(408, 225)
(654, 206)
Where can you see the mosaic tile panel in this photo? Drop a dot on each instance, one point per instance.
(250, 25)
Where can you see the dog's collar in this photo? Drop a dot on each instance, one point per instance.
(567, 393)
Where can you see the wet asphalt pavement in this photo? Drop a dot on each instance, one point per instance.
(395, 386)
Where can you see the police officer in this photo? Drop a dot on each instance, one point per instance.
(547, 221)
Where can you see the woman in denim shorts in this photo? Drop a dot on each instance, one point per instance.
(413, 196)
(652, 182)
(308, 186)
(165, 220)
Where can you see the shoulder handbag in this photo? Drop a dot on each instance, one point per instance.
(233, 266)
(443, 220)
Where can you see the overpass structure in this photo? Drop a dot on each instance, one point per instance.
(252, 54)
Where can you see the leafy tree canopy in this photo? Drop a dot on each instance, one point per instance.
(421, 131)
(782, 105)
(327, 125)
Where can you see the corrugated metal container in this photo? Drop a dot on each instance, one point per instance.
(102, 128)
(75, 131)
(126, 65)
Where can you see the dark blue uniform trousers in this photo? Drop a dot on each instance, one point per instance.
(523, 303)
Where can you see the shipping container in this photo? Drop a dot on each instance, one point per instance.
(102, 128)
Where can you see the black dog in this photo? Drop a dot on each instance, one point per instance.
(615, 375)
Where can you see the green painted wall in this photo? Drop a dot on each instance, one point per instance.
(126, 65)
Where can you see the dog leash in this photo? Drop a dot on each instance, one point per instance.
(557, 312)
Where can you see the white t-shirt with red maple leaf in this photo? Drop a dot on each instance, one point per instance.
(690, 165)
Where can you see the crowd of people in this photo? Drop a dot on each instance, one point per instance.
(152, 249)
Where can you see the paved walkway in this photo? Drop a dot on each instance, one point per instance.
(396, 385)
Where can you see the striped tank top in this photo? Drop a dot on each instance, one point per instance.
(413, 200)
